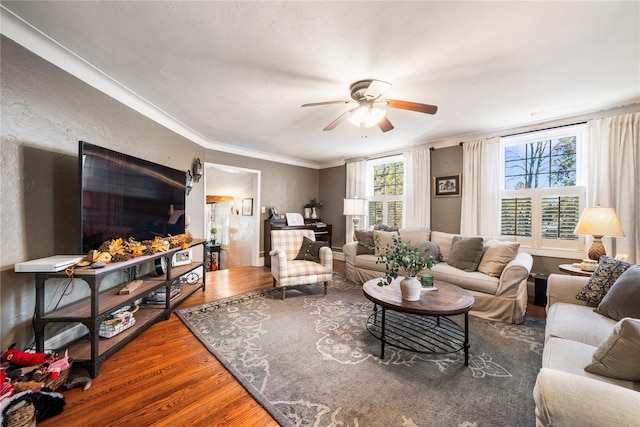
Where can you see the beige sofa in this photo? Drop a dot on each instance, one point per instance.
(502, 298)
(565, 393)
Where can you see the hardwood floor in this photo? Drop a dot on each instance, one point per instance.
(166, 377)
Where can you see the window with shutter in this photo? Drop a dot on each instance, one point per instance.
(542, 192)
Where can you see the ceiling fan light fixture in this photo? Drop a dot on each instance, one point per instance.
(367, 116)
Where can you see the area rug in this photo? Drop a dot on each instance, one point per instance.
(310, 361)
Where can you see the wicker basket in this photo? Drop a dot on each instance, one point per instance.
(61, 379)
(22, 414)
(119, 322)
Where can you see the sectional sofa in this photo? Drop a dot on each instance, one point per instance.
(491, 268)
(590, 372)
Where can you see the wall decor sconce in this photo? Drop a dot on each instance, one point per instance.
(197, 170)
(189, 182)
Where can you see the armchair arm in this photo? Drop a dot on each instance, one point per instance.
(326, 257)
(564, 288)
(514, 274)
(278, 263)
(565, 399)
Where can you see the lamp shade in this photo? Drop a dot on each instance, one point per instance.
(599, 221)
(355, 207)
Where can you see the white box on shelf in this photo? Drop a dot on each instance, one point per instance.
(181, 258)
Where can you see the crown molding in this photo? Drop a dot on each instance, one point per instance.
(47, 48)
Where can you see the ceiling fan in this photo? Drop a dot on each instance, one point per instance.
(365, 96)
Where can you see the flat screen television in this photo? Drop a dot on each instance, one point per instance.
(124, 196)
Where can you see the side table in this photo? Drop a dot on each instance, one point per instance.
(574, 271)
(211, 249)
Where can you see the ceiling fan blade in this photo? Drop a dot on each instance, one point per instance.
(413, 106)
(340, 119)
(313, 104)
(385, 124)
(376, 88)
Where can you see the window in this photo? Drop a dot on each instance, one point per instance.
(542, 193)
(385, 192)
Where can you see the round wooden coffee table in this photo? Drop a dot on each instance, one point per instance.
(422, 326)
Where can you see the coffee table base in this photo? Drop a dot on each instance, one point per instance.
(422, 334)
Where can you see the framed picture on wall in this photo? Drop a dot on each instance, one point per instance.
(447, 186)
(247, 207)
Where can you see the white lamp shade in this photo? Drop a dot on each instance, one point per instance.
(355, 207)
(599, 221)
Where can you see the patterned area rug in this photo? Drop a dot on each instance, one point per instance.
(310, 361)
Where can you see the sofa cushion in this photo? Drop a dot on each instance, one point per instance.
(473, 281)
(623, 299)
(415, 236)
(366, 245)
(496, 256)
(591, 328)
(607, 272)
(466, 253)
(310, 250)
(369, 262)
(443, 240)
(383, 238)
(618, 357)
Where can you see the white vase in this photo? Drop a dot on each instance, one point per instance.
(314, 213)
(410, 288)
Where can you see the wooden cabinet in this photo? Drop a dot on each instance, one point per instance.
(91, 350)
(321, 230)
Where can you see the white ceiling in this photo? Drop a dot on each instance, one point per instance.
(233, 75)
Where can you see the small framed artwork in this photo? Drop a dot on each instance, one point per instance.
(181, 258)
(247, 207)
(447, 186)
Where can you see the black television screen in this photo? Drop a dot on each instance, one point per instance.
(123, 196)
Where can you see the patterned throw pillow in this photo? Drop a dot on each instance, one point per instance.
(427, 248)
(310, 250)
(608, 271)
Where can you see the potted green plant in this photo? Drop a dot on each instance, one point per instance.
(401, 259)
(214, 231)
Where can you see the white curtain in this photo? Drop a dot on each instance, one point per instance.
(480, 213)
(356, 188)
(417, 168)
(613, 178)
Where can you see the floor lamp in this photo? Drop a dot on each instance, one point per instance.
(355, 208)
(599, 222)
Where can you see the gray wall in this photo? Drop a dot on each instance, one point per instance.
(445, 211)
(44, 113)
(333, 183)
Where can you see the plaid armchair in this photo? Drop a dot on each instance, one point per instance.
(288, 271)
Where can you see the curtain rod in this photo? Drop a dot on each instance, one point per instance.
(529, 131)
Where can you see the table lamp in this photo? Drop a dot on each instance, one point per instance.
(355, 208)
(599, 222)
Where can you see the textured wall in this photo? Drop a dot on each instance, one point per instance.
(44, 113)
(333, 182)
(445, 211)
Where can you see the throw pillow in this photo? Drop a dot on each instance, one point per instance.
(617, 357)
(366, 245)
(496, 256)
(427, 248)
(383, 238)
(623, 299)
(310, 250)
(466, 252)
(607, 272)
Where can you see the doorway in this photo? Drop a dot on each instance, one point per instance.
(233, 208)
